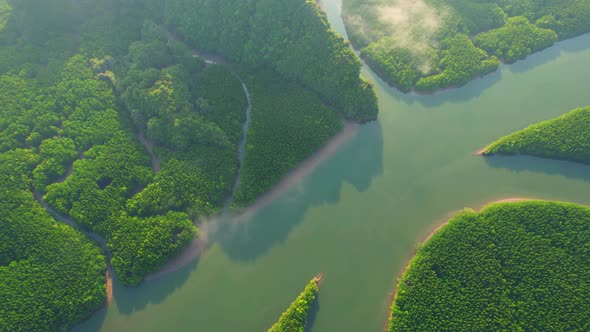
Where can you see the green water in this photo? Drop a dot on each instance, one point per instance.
(358, 216)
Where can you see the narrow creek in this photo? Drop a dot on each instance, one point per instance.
(212, 59)
(149, 147)
(358, 215)
(68, 221)
(242, 147)
(99, 240)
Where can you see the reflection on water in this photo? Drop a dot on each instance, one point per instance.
(358, 214)
(519, 164)
(574, 45)
(357, 163)
(477, 86)
(129, 300)
(247, 236)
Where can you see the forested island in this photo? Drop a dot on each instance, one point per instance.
(427, 45)
(566, 137)
(519, 266)
(294, 319)
(124, 124)
(111, 123)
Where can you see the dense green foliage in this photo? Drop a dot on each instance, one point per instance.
(411, 44)
(292, 37)
(511, 267)
(399, 67)
(566, 137)
(460, 61)
(95, 97)
(50, 275)
(71, 119)
(193, 114)
(288, 124)
(159, 92)
(517, 39)
(112, 166)
(181, 185)
(140, 245)
(79, 104)
(295, 317)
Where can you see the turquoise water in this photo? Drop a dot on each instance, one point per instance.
(359, 215)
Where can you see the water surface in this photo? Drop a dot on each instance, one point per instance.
(359, 214)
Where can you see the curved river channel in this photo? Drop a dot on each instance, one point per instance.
(359, 214)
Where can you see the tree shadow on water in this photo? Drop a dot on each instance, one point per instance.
(477, 86)
(313, 314)
(130, 299)
(535, 60)
(470, 90)
(357, 162)
(540, 165)
(153, 290)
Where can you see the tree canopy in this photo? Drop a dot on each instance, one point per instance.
(513, 266)
(294, 319)
(422, 45)
(110, 124)
(565, 137)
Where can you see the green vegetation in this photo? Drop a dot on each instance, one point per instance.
(399, 67)
(460, 61)
(295, 318)
(565, 137)
(511, 267)
(95, 96)
(51, 276)
(143, 245)
(292, 37)
(517, 39)
(5, 10)
(422, 45)
(288, 124)
(193, 114)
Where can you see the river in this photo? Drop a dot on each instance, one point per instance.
(358, 215)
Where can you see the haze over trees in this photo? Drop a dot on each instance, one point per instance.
(512, 266)
(419, 45)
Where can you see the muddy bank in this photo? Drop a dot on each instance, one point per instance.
(109, 285)
(481, 152)
(318, 279)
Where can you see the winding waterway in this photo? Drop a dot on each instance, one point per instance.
(358, 214)
(242, 147)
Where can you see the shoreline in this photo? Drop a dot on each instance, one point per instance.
(433, 230)
(211, 226)
(481, 152)
(318, 279)
(292, 177)
(109, 285)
